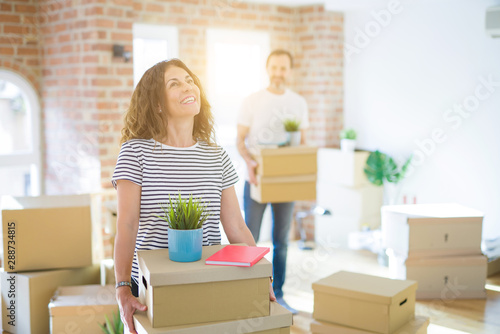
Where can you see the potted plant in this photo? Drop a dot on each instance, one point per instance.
(292, 128)
(185, 218)
(348, 140)
(381, 169)
(115, 327)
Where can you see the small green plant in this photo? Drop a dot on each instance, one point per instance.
(184, 214)
(115, 327)
(348, 134)
(291, 125)
(380, 167)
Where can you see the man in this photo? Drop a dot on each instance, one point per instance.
(260, 121)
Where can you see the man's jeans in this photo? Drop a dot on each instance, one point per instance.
(282, 219)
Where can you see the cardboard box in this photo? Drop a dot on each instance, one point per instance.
(448, 278)
(493, 266)
(46, 232)
(371, 303)
(187, 293)
(342, 168)
(81, 308)
(430, 230)
(284, 189)
(25, 296)
(286, 161)
(418, 325)
(359, 201)
(334, 230)
(277, 322)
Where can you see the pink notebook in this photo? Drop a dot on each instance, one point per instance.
(240, 256)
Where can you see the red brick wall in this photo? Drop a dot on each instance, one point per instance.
(19, 39)
(86, 91)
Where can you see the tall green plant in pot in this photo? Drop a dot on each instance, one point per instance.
(381, 169)
(185, 218)
(292, 127)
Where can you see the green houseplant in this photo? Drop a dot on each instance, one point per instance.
(114, 327)
(348, 140)
(185, 218)
(292, 126)
(381, 169)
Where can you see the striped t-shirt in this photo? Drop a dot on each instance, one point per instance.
(163, 171)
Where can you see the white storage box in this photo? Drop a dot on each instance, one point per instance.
(334, 230)
(428, 230)
(342, 168)
(360, 201)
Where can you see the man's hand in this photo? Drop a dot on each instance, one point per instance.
(251, 167)
(128, 305)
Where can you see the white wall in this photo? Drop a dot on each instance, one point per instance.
(400, 84)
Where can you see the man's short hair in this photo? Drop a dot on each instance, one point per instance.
(280, 52)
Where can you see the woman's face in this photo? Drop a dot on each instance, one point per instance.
(183, 96)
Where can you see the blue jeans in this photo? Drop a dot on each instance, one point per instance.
(282, 219)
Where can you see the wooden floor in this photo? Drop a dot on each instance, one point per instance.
(451, 316)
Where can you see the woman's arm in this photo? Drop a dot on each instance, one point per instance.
(127, 225)
(232, 220)
(234, 224)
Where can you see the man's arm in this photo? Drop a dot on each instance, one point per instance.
(242, 149)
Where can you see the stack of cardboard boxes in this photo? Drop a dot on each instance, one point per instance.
(344, 190)
(47, 243)
(438, 245)
(352, 303)
(192, 297)
(285, 174)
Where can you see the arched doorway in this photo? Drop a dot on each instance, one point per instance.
(20, 144)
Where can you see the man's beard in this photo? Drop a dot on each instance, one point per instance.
(278, 82)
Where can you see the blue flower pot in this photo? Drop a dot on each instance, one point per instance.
(185, 245)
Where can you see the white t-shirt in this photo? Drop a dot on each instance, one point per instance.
(264, 112)
(162, 171)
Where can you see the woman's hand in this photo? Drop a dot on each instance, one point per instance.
(272, 297)
(128, 305)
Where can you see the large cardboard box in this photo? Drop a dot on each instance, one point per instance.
(281, 189)
(430, 230)
(342, 168)
(277, 322)
(81, 308)
(371, 303)
(286, 161)
(356, 201)
(25, 296)
(46, 232)
(447, 278)
(187, 293)
(418, 325)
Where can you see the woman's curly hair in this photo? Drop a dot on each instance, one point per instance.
(142, 119)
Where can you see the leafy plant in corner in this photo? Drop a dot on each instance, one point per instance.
(380, 168)
(348, 134)
(184, 214)
(115, 327)
(291, 125)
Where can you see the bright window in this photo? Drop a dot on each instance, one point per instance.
(20, 149)
(152, 44)
(236, 62)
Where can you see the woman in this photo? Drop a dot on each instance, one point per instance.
(168, 147)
